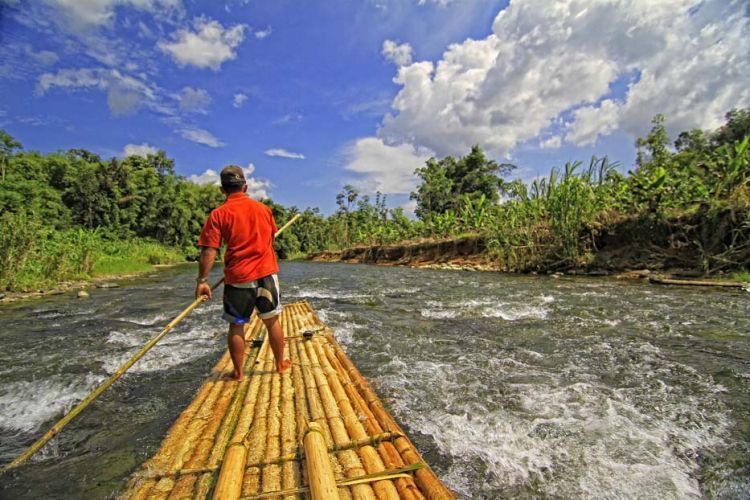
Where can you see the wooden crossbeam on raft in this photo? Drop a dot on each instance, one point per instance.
(244, 439)
(297, 456)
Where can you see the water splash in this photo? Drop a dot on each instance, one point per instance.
(26, 405)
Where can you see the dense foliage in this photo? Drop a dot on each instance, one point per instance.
(553, 221)
(63, 214)
(70, 214)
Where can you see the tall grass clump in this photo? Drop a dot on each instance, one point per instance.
(35, 256)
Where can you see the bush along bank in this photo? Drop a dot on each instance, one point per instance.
(34, 256)
(692, 244)
(682, 207)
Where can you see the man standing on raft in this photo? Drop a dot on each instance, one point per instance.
(247, 228)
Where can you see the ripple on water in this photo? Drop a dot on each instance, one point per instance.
(573, 435)
(535, 308)
(177, 348)
(26, 405)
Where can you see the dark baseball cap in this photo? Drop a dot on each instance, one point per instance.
(232, 176)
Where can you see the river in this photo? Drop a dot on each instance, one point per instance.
(511, 386)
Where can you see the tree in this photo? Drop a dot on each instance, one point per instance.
(736, 128)
(654, 148)
(433, 195)
(447, 183)
(7, 145)
(346, 198)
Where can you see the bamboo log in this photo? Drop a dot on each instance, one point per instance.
(271, 475)
(229, 484)
(346, 423)
(425, 478)
(301, 412)
(672, 281)
(347, 461)
(406, 487)
(322, 482)
(239, 417)
(290, 472)
(256, 437)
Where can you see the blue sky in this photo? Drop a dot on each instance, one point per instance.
(309, 96)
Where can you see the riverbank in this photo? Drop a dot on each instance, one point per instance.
(636, 247)
(103, 280)
(37, 260)
(456, 255)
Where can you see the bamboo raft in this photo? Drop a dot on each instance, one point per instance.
(317, 430)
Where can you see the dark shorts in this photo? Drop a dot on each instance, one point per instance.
(241, 299)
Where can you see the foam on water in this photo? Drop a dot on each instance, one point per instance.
(567, 438)
(177, 348)
(439, 314)
(26, 405)
(343, 328)
(328, 294)
(344, 332)
(150, 321)
(489, 308)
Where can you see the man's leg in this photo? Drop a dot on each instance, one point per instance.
(236, 342)
(276, 337)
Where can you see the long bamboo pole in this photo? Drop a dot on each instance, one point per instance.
(55, 429)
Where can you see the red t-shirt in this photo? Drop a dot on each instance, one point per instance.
(247, 227)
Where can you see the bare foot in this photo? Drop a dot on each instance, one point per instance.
(285, 364)
(231, 376)
(239, 377)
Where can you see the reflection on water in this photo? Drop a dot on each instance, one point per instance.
(512, 386)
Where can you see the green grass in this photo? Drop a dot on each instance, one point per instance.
(133, 256)
(108, 267)
(742, 276)
(37, 257)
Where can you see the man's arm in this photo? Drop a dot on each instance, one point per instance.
(205, 263)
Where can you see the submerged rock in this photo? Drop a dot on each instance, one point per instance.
(83, 294)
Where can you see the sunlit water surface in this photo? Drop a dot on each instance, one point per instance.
(511, 386)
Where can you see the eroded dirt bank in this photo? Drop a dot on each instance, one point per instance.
(463, 253)
(693, 245)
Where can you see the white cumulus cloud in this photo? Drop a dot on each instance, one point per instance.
(551, 142)
(256, 188)
(283, 153)
(201, 136)
(260, 35)
(144, 150)
(383, 167)
(125, 93)
(207, 45)
(239, 100)
(400, 55)
(193, 100)
(84, 13)
(600, 66)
